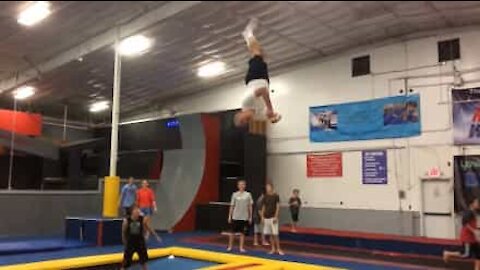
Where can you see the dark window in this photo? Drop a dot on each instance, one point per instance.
(448, 50)
(361, 66)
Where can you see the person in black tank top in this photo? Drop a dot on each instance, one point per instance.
(133, 237)
(256, 103)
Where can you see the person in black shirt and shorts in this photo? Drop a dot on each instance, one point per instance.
(256, 103)
(133, 238)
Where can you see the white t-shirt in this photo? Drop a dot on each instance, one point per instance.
(241, 202)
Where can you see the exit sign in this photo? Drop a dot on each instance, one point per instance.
(434, 172)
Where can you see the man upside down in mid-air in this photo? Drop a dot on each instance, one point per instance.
(256, 104)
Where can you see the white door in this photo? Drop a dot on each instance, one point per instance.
(437, 208)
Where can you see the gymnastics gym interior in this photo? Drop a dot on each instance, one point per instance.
(375, 120)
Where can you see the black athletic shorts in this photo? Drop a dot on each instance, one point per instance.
(133, 247)
(471, 251)
(294, 212)
(240, 226)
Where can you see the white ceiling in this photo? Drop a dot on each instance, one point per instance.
(291, 31)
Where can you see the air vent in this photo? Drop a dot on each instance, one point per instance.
(448, 50)
(361, 66)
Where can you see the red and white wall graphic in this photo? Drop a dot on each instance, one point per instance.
(324, 165)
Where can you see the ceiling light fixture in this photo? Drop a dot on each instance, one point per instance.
(99, 106)
(34, 13)
(211, 69)
(134, 45)
(23, 92)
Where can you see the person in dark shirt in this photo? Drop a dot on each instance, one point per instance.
(471, 247)
(270, 212)
(257, 221)
(134, 228)
(295, 203)
(256, 104)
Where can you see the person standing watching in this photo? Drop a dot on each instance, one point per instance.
(240, 214)
(128, 197)
(270, 212)
(146, 202)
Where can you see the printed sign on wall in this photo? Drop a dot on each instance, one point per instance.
(327, 165)
(466, 116)
(467, 180)
(374, 167)
(392, 117)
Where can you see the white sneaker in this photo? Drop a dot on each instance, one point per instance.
(249, 29)
(252, 25)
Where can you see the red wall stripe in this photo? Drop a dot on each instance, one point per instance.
(157, 166)
(25, 123)
(208, 190)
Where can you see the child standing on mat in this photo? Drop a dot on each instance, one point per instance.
(240, 214)
(471, 247)
(133, 229)
(270, 211)
(257, 220)
(295, 203)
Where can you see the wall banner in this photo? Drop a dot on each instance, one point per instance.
(467, 180)
(374, 167)
(392, 117)
(324, 165)
(466, 116)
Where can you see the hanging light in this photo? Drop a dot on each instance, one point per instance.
(23, 92)
(34, 13)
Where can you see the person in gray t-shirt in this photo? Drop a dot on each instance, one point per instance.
(240, 215)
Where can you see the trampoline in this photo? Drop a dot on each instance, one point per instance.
(182, 259)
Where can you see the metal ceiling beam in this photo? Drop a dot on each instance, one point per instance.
(104, 39)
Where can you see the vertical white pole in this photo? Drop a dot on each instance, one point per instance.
(65, 115)
(12, 144)
(115, 106)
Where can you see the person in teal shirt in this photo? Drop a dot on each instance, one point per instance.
(128, 196)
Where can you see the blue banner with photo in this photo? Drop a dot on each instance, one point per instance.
(392, 117)
(466, 116)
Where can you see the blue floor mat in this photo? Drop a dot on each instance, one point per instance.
(37, 245)
(176, 240)
(175, 264)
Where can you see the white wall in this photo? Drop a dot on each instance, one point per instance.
(329, 81)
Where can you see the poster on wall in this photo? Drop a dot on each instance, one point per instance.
(467, 180)
(466, 116)
(374, 167)
(392, 117)
(324, 165)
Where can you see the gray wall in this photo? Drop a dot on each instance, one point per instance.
(181, 174)
(37, 214)
(371, 221)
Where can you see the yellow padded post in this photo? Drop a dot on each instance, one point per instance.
(111, 192)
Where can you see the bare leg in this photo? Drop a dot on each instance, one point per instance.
(230, 242)
(264, 240)
(447, 255)
(477, 264)
(147, 233)
(255, 239)
(242, 242)
(279, 250)
(272, 244)
(263, 92)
